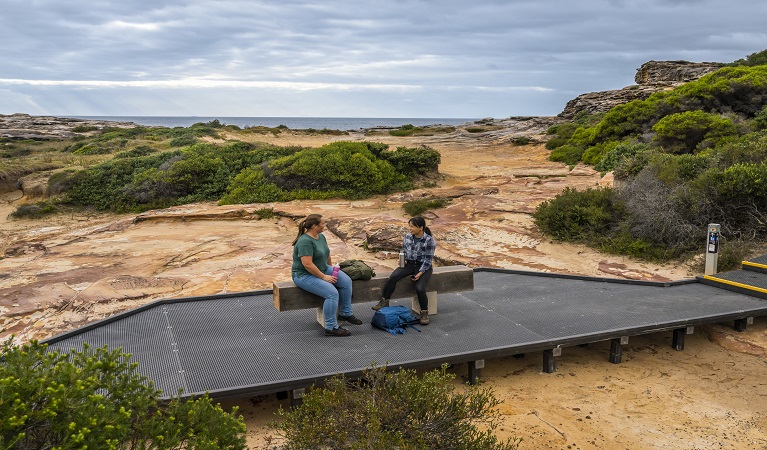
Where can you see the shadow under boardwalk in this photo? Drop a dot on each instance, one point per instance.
(239, 344)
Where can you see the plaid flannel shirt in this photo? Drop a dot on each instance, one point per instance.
(421, 251)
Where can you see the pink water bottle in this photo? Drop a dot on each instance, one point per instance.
(336, 268)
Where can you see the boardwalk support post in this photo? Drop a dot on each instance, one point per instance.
(475, 367)
(741, 324)
(549, 363)
(616, 349)
(678, 338)
(297, 397)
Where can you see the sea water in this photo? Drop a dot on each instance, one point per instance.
(294, 123)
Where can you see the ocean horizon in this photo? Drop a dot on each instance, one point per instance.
(295, 123)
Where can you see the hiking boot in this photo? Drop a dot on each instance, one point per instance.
(381, 303)
(351, 319)
(337, 331)
(424, 317)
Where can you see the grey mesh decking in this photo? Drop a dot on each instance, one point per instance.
(239, 344)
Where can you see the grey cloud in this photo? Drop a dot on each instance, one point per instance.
(446, 47)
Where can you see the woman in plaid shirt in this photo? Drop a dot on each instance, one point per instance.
(419, 255)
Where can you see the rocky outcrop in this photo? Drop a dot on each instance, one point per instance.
(24, 126)
(651, 77)
(598, 102)
(671, 73)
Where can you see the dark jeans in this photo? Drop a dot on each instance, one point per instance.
(411, 268)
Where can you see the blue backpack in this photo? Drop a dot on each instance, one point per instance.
(394, 319)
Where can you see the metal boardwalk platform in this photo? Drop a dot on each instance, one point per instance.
(751, 279)
(238, 344)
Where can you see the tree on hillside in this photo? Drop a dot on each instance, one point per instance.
(754, 59)
(95, 399)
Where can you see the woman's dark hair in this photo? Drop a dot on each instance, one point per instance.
(421, 223)
(306, 224)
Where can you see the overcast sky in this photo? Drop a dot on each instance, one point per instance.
(363, 58)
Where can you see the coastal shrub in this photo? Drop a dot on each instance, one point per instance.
(265, 213)
(102, 186)
(421, 205)
(251, 186)
(394, 409)
(90, 149)
(405, 130)
(690, 131)
(735, 197)
(618, 154)
(749, 149)
(183, 141)
(568, 154)
(595, 153)
(96, 399)
(12, 151)
(412, 161)
(472, 129)
(84, 128)
(348, 168)
(141, 150)
(186, 178)
(521, 140)
(580, 215)
(60, 182)
(760, 119)
(36, 210)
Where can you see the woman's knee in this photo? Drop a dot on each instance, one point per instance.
(344, 282)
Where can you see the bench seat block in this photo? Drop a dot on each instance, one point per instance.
(288, 296)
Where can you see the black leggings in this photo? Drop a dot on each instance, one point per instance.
(411, 268)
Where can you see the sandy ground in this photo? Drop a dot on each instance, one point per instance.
(711, 395)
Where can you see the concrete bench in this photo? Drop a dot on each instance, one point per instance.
(288, 296)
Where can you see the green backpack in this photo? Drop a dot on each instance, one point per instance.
(357, 270)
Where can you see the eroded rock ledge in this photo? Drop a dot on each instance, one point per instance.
(24, 126)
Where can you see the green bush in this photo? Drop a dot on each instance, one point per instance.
(476, 129)
(750, 148)
(735, 197)
(141, 150)
(251, 186)
(580, 215)
(420, 206)
(412, 161)
(84, 128)
(36, 210)
(265, 213)
(183, 141)
(567, 154)
(347, 168)
(102, 186)
(386, 410)
(594, 154)
(12, 151)
(690, 131)
(760, 119)
(521, 140)
(95, 399)
(618, 154)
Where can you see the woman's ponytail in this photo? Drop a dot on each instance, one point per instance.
(420, 222)
(306, 224)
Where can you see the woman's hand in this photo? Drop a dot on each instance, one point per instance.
(330, 279)
(416, 276)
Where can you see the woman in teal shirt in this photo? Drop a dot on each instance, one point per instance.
(313, 272)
